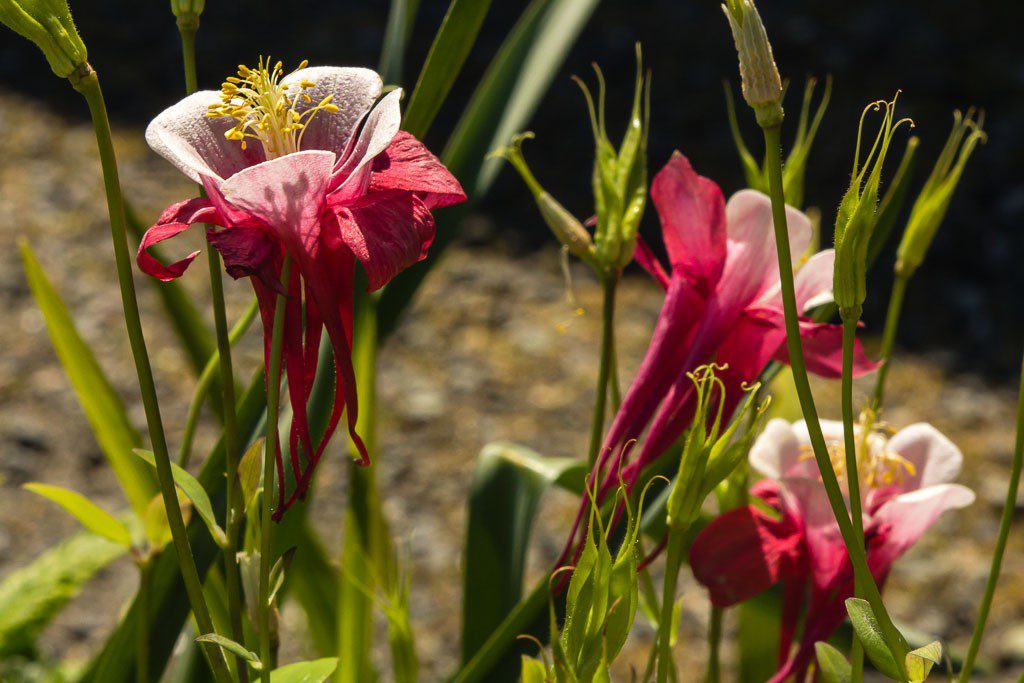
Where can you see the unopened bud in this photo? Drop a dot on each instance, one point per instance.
(762, 85)
(931, 205)
(188, 11)
(48, 24)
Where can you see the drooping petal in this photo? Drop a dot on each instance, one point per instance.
(812, 282)
(351, 178)
(904, 518)
(743, 552)
(247, 252)
(173, 221)
(353, 89)
(936, 459)
(195, 143)
(408, 165)
(388, 232)
(692, 213)
(751, 263)
(823, 351)
(646, 259)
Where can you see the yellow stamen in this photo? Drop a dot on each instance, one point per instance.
(877, 466)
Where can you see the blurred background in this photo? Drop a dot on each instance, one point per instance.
(492, 349)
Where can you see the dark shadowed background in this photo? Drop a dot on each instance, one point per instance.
(942, 54)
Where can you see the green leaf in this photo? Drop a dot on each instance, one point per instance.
(277, 573)
(31, 596)
(158, 529)
(534, 670)
(504, 495)
(101, 404)
(401, 17)
(315, 671)
(231, 646)
(757, 635)
(313, 583)
(250, 470)
(921, 661)
(451, 46)
(865, 626)
(91, 516)
(832, 664)
(195, 492)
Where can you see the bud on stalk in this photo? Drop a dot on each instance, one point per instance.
(762, 85)
(187, 12)
(48, 24)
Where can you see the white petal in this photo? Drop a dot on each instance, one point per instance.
(905, 518)
(935, 458)
(195, 143)
(377, 132)
(775, 450)
(352, 89)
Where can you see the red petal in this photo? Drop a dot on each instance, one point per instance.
(823, 351)
(408, 165)
(247, 252)
(649, 262)
(174, 220)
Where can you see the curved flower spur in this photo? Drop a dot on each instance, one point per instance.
(308, 164)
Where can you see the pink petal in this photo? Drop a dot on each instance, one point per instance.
(195, 143)
(904, 519)
(692, 213)
(288, 194)
(408, 165)
(823, 351)
(649, 262)
(387, 232)
(807, 501)
(353, 89)
(352, 176)
(812, 282)
(751, 263)
(247, 252)
(173, 221)
(935, 458)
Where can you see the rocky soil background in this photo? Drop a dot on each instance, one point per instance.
(492, 349)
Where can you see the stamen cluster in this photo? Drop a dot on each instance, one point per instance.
(877, 465)
(266, 110)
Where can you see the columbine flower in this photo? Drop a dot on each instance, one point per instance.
(310, 165)
(905, 485)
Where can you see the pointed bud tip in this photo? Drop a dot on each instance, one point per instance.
(48, 24)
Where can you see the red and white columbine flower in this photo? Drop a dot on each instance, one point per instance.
(906, 484)
(313, 165)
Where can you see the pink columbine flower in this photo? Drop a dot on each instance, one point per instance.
(905, 486)
(723, 304)
(313, 165)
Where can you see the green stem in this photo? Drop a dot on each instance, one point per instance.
(673, 560)
(1009, 507)
(142, 629)
(270, 450)
(89, 86)
(207, 379)
(609, 282)
(714, 645)
(187, 28)
(852, 474)
(858, 557)
(892, 322)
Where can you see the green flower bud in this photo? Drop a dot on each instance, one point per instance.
(932, 204)
(762, 86)
(569, 231)
(620, 176)
(48, 24)
(858, 214)
(188, 11)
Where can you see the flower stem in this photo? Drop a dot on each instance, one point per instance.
(892, 322)
(270, 449)
(609, 283)
(1009, 507)
(858, 557)
(714, 644)
(673, 560)
(235, 506)
(142, 632)
(852, 474)
(89, 86)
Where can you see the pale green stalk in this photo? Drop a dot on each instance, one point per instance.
(142, 634)
(673, 560)
(852, 474)
(270, 450)
(858, 557)
(892, 322)
(89, 86)
(606, 366)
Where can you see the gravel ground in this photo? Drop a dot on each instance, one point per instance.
(492, 349)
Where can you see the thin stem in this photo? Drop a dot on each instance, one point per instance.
(608, 284)
(269, 459)
(714, 645)
(892, 322)
(1009, 507)
(858, 558)
(188, 29)
(142, 632)
(852, 474)
(673, 560)
(89, 86)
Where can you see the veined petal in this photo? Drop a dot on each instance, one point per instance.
(935, 458)
(173, 221)
(408, 165)
(692, 213)
(387, 232)
(195, 143)
(353, 89)
(351, 177)
(904, 518)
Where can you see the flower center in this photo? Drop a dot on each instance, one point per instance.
(266, 110)
(877, 466)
